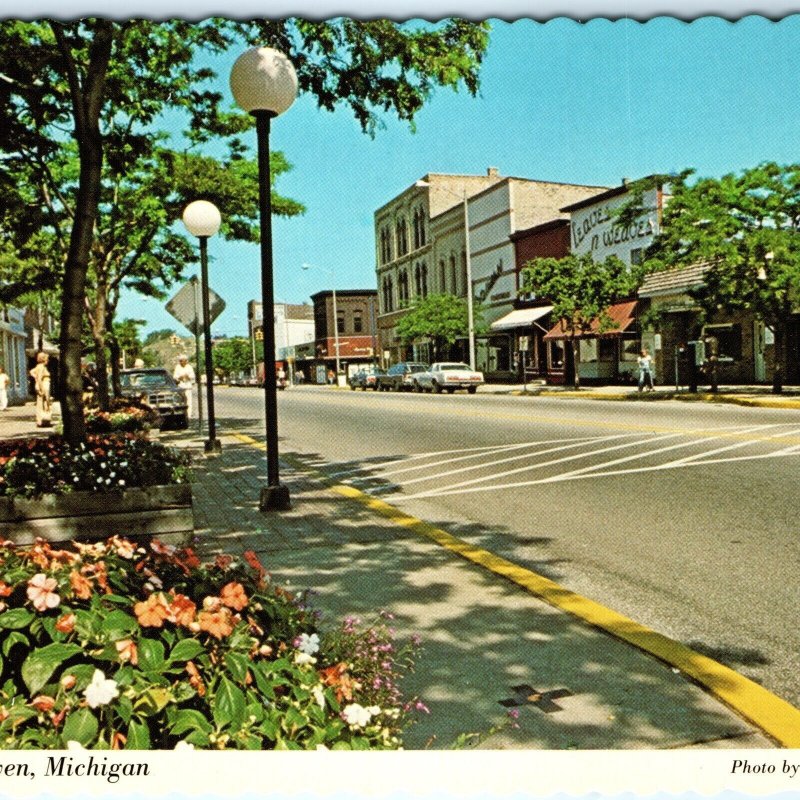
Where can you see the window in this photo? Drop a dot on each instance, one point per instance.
(358, 321)
(629, 347)
(386, 245)
(418, 280)
(419, 227)
(588, 350)
(453, 276)
(555, 354)
(424, 280)
(402, 237)
(340, 321)
(402, 286)
(637, 255)
(607, 348)
(728, 344)
(442, 277)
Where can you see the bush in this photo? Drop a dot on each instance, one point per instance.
(32, 467)
(116, 646)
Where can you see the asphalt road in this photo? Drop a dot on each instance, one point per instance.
(682, 516)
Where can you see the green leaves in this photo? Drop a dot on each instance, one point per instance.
(81, 726)
(229, 705)
(40, 664)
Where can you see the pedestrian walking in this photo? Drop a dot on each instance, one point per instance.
(41, 379)
(185, 378)
(4, 382)
(331, 377)
(645, 362)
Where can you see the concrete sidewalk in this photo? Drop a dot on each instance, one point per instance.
(488, 645)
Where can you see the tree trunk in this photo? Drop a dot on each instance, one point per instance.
(115, 352)
(101, 371)
(87, 101)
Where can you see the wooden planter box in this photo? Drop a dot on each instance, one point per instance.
(163, 512)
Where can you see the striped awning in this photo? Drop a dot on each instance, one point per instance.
(622, 316)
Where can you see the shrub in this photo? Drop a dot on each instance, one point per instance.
(117, 646)
(32, 467)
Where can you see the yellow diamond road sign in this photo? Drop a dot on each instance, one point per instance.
(187, 306)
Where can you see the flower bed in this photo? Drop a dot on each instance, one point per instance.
(123, 415)
(114, 646)
(112, 483)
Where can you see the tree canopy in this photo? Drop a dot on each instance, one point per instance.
(105, 85)
(442, 318)
(745, 227)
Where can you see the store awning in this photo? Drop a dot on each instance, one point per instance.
(622, 316)
(520, 318)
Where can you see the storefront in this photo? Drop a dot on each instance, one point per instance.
(605, 355)
(525, 328)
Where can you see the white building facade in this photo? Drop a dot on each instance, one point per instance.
(12, 353)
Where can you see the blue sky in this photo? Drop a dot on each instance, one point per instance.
(562, 101)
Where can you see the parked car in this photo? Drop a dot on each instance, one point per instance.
(366, 378)
(157, 388)
(400, 377)
(448, 376)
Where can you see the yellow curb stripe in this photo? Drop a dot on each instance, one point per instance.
(774, 716)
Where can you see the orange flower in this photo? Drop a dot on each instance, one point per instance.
(66, 624)
(43, 703)
(152, 612)
(337, 677)
(101, 576)
(127, 652)
(223, 561)
(252, 559)
(218, 623)
(81, 587)
(5, 589)
(118, 741)
(195, 681)
(182, 610)
(233, 595)
(189, 558)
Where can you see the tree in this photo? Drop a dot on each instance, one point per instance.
(581, 291)
(75, 78)
(746, 228)
(442, 318)
(233, 355)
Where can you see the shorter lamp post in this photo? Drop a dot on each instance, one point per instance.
(264, 83)
(335, 317)
(202, 219)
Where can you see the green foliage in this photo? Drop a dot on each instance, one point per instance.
(233, 355)
(114, 645)
(442, 318)
(745, 227)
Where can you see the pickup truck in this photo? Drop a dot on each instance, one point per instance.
(447, 376)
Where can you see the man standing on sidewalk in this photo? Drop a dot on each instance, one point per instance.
(185, 378)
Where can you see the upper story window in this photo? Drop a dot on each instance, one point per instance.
(419, 227)
(358, 321)
(340, 321)
(402, 237)
(388, 294)
(402, 286)
(421, 279)
(386, 245)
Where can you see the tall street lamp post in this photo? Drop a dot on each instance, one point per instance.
(335, 316)
(264, 84)
(468, 259)
(202, 219)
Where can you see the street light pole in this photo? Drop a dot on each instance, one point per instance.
(264, 84)
(202, 219)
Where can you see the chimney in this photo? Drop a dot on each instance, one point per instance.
(491, 172)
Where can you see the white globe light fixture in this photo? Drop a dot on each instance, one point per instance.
(202, 219)
(264, 83)
(263, 79)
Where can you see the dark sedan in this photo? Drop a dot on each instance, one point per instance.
(366, 378)
(158, 389)
(400, 377)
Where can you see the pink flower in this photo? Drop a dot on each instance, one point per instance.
(40, 592)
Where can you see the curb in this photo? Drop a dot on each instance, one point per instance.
(703, 397)
(775, 717)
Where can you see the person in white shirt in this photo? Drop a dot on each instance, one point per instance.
(185, 378)
(645, 362)
(4, 382)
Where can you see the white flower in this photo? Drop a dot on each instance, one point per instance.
(73, 745)
(304, 658)
(356, 716)
(184, 746)
(308, 644)
(319, 695)
(101, 691)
